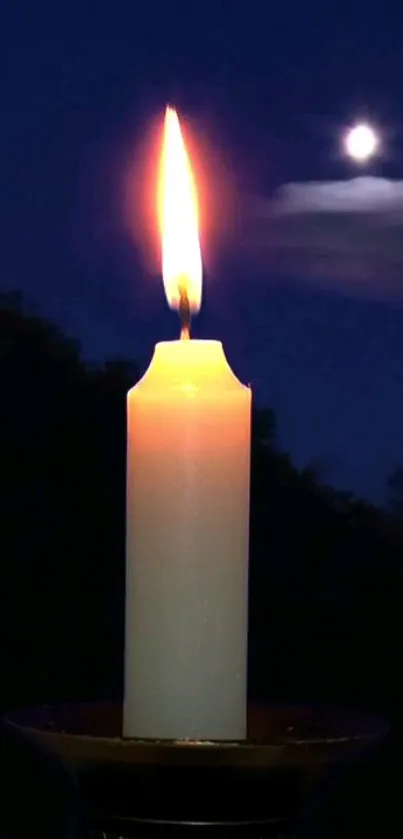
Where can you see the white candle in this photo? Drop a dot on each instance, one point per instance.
(188, 463)
(187, 546)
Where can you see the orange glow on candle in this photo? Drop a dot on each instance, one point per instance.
(178, 214)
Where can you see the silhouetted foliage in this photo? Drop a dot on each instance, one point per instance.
(395, 492)
(326, 568)
(63, 496)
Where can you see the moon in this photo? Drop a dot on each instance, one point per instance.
(361, 142)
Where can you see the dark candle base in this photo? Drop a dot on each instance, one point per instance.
(135, 788)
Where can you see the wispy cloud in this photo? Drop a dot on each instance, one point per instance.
(345, 233)
(361, 195)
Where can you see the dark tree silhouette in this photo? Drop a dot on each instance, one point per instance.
(62, 432)
(395, 492)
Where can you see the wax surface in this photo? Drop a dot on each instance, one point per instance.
(188, 475)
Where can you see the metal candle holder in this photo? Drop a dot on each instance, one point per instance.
(134, 787)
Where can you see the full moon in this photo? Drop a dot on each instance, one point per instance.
(361, 143)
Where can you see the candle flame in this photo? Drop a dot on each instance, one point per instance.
(179, 220)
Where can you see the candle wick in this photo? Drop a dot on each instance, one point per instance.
(184, 312)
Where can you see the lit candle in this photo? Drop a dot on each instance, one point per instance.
(188, 462)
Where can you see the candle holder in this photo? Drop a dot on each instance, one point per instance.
(136, 787)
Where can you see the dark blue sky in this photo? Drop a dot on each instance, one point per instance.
(269, 88)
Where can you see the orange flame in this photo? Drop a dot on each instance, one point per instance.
(179, 219)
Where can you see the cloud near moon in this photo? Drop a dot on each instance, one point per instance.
(346, 233)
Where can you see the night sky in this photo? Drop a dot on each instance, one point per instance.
(265, 91)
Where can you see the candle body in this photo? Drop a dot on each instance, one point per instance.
(188, 476)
